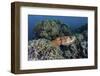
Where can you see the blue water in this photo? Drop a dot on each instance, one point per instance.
(72, 21)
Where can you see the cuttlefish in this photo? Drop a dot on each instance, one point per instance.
(67, 40)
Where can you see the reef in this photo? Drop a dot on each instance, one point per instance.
(40, 47)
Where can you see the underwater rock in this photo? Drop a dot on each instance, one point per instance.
(79, 49)
(42, 49)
